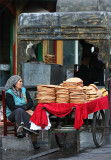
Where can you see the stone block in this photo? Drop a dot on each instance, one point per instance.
(14, 143)
(40, 73)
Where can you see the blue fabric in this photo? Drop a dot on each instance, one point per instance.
(18, 101)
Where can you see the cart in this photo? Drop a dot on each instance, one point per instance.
(77, 121)
(97, 126)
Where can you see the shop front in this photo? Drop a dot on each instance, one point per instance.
(65, 36)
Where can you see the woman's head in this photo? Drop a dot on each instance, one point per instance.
(19, 84)
(14, 81)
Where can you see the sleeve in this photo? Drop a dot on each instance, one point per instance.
(11, 104)
(29, 105)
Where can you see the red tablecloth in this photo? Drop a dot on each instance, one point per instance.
(39, 116)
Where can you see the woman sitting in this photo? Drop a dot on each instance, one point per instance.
(18, 101)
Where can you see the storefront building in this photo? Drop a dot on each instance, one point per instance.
(9, 12)
(75, 27)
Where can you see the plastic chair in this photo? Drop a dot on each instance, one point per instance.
(9, 127)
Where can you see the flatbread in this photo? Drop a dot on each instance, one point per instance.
(93, 85)
(75, 79)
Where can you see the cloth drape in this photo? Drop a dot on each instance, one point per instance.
(39, 116)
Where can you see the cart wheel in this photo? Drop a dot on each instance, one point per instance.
(60, 139)
(98, 128)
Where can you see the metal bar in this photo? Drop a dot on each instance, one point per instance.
(42, 154)
(78, 141)
(49, 139)
(108, 113)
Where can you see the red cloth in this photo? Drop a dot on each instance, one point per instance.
(39, 116)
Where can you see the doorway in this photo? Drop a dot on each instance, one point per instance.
(6, 45)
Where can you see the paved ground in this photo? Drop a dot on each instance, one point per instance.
(88, 151)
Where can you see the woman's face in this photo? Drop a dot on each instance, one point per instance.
(19, 84)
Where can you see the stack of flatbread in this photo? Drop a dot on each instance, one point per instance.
(91, 92)
(46, 93)
(72, 82)
(49, 59)
(70, 91)
(62, 94)
(77, 95)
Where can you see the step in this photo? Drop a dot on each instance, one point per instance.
(14, 143)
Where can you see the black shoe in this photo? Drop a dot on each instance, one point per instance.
(20, 134)
(36, 145)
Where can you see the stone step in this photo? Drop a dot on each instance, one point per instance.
(14, 143)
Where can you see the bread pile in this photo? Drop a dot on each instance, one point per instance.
(49, 59)
(70, 91)
(62, 94)
(74, 85)
(91, 92)
(46, 94)
(77, 95)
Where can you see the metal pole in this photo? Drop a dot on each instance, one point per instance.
(108, 113)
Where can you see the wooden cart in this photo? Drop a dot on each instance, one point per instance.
(77, 121)
(97, 127)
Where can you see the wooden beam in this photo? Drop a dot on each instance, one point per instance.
(45, 48)
(59, 51)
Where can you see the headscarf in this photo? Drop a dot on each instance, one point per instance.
(11, 82)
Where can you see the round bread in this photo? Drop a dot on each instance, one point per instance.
(46, 98)
(76, 98)
(85, 87)
(90, 88)
(49, 86)
(46, 101)
(77, 101)
(91, 99)
(41, 88)
(59, 87)
(61, 92)
(75, 79)
(93, 96)
(92, 92)
(105, 94)
(62, 96)
(77, 89)
(93, 85)
(103, 90)
(76, 94)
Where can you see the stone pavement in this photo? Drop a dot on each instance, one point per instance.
(88, 150)
(102, 153)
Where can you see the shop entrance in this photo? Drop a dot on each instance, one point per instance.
(5, 42)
